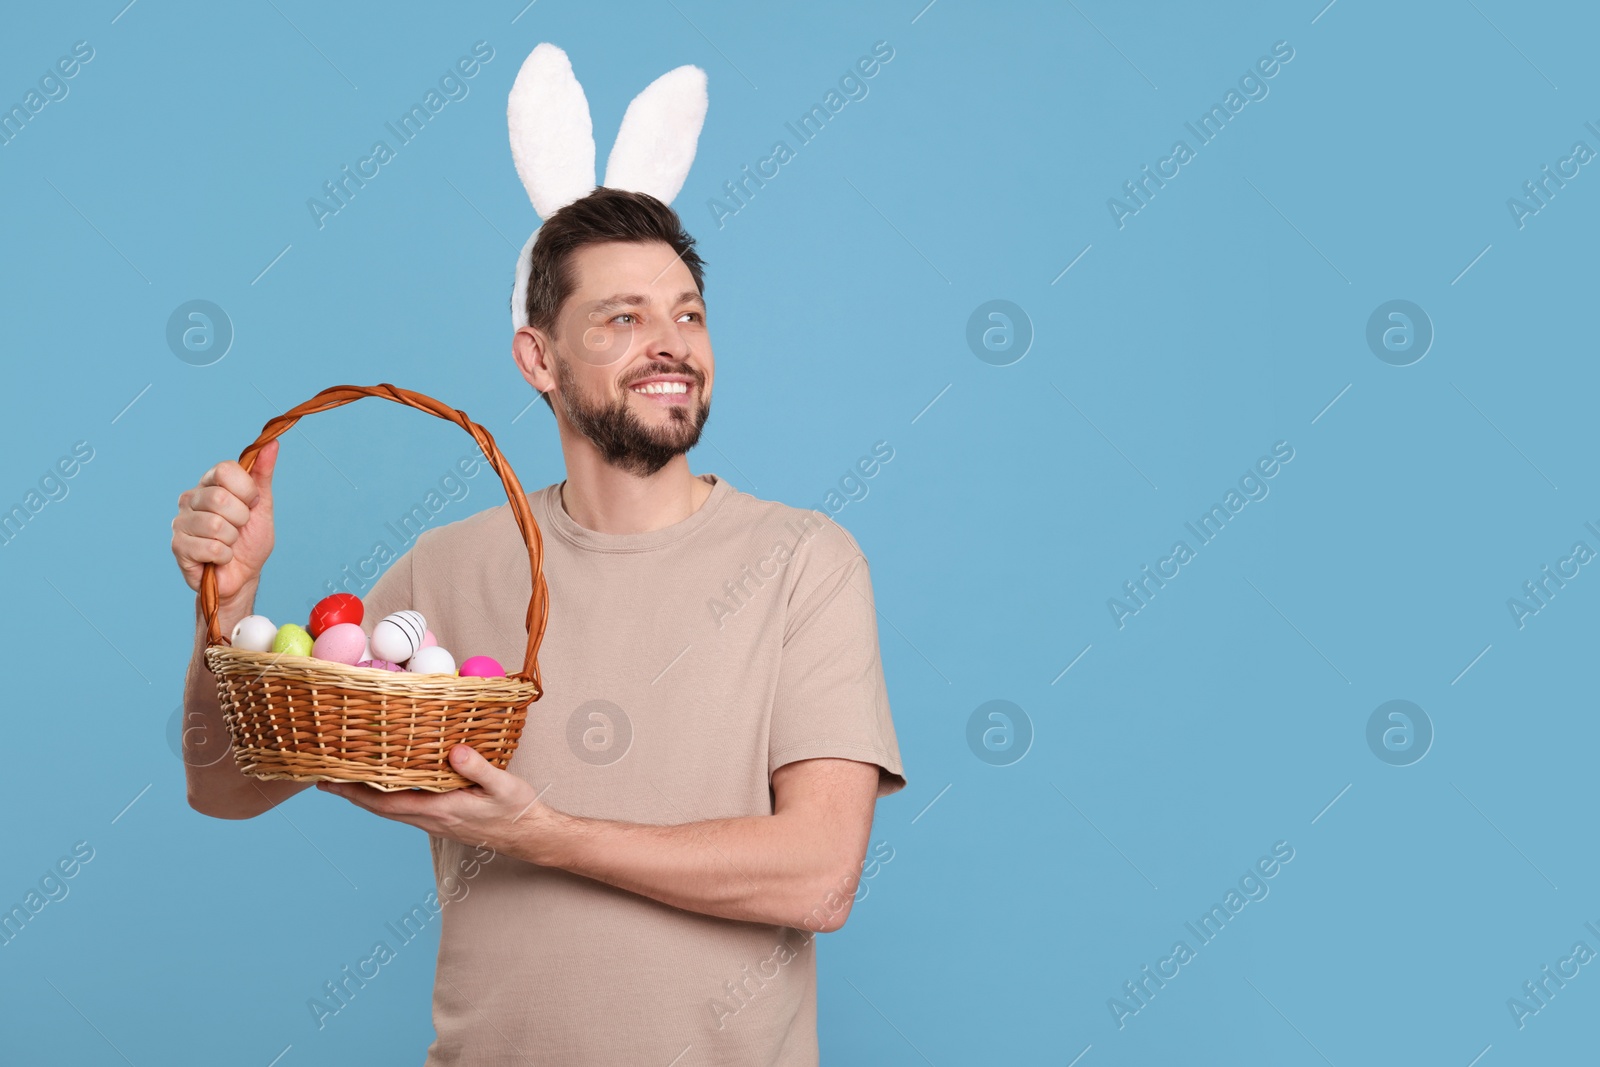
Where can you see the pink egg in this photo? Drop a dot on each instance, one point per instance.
(428, 640)
(380, 665)
(342, 642)
(481, 667)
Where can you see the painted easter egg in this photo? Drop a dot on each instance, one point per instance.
(482, 667)
(343, 642)
(431, 660)
(398, 636)
(253, 633)
(291, 640)
(332, 610)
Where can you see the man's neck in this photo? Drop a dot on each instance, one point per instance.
(599, 497)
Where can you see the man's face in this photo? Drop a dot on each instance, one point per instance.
(632, 356)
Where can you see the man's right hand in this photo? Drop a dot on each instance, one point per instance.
(226, 520)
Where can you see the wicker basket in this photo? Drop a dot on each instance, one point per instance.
(312, 720)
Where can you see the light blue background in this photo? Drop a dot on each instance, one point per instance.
(1225, 316)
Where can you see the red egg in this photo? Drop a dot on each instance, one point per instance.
(332, 610)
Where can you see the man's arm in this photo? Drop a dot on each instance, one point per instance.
(216, 785)
(796, 867)
(224, 521)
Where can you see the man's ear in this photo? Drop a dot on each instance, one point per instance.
(531, 349)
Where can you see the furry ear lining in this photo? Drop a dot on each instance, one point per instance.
(519, 292)
(656, 144)
(552, 136)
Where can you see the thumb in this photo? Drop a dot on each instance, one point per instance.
(470, 765)
(266, 462)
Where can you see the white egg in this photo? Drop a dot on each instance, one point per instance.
(254, 633)
(431, 660)
(398, 636)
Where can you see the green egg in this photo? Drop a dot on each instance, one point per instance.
(292, 640)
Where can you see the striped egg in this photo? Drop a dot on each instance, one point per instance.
(398, 636)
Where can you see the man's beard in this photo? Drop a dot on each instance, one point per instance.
(623, 440)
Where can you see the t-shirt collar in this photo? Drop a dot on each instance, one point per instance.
(554, 517)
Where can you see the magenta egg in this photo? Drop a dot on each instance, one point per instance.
(482, 667)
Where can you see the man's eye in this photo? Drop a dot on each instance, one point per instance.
(696, 315)
(624, 315)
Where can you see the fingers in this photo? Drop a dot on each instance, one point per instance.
(205, 525)
(198, 550)
(353, 791)
(231, 491)
(215, 500)
(228, 475)
(213, 516)
(401, 806)
(473, 767)
(201, 537)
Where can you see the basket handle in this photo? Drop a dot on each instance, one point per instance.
(336, 395)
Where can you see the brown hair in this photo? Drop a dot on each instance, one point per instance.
(603, 215)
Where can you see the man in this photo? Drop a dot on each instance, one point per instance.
(692, 796)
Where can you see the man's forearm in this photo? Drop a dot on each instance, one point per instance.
(216, 786)
(775, 869)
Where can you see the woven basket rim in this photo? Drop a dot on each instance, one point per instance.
(230, 661)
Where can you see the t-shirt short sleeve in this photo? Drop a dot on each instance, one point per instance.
(392, 591)
(831, 699)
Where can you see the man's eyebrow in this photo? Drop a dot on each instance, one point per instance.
(625, 300)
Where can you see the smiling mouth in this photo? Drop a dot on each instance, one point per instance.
(662, 388)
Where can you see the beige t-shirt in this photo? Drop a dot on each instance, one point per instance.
(681, 667)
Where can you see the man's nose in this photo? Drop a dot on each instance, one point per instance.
(666, 340)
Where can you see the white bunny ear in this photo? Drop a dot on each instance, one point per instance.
(656, 143)
(552, 136)
(552, 141)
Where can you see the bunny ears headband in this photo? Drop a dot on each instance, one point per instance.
(552, 141)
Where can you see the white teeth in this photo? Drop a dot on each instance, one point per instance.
(662, 387)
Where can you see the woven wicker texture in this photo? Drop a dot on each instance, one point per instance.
(312, 720)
